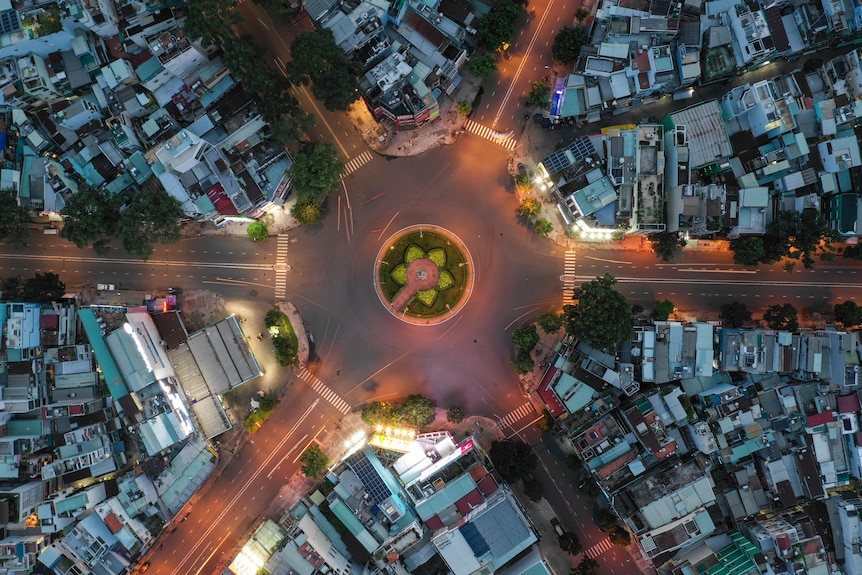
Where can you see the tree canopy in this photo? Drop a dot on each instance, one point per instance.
(308, 211)
(781, 316)
(529, 207)
(550, 321)
(525, 337)
(848, 313)
(667, 245)
(540, 95)
(735, 314)
(316, 59)
(150, 217)
(602, 316)
(497, 28)
(662, 310)
(41, 288)
(90, 218)
(569, 543)
(316, 170)
(513, 459)
(482, 65)
(417, 411)
(314, 462)
(212, 20)
(14, 219)
(543, 227)
(791, 234)
(568, 43)
(258, 231)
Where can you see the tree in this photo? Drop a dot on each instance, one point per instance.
(212, 20)
(587, 566)
(781, 316)
(465, 108)
(90, 217)
(455, 415)
(550, 321)
(543, 227)
(568, 43)
(525, 337)
(848, 313)
(569, 543)
(523, 181)
(258, 231)
(316, 59)
(308, 211)
(605, 519)
(497, 28)
(523, 362)
(534, 489)
(662, 310)
(10, 288)
(748, 251)
(602, 316)
(735, 314)
(539, 96)
(379, 413)
(667, 245)
(852, 252)
(14, 219)
(620, 536)
(43, 288)
(288, 129)
(512, 458)
(529, 208)
(150, 217)
(482, 66)
(581, 14)
(316, 170)
(418, 410)
(314, 462)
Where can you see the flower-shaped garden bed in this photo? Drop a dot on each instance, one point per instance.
(423, 274)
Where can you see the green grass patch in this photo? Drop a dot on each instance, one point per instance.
(255, 419)
(283, 337)
(437, 248)
(427, 297)
(399, 274)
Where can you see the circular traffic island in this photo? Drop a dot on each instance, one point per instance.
(423, 275)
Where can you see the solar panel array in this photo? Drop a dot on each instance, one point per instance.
(9, 22)
(559, 160)
(556, 162)
(371, 480)
(582, 148)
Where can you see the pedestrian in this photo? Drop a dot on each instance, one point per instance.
(337, 372)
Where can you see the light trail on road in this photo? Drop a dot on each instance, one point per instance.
(722, 281)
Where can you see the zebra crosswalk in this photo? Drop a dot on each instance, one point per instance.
(568, 277)
(281, 267)
(324, 391)
(599, 548)
(516, 415)
(507, 141)
(358, 162)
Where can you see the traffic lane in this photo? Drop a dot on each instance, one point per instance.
(576, 511)
(529, 60)
(275, 33)
(709, 296)
(230, 502)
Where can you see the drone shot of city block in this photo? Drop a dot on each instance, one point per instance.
(430, 287)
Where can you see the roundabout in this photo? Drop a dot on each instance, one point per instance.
(423, 275)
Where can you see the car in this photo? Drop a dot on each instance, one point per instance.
(106, 287)
(144, 566)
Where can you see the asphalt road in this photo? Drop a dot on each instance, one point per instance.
(529, 59)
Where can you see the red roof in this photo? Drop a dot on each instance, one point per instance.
(113, 523)
(53, 322)
(549, 396)
(434, 523)
(469, 502)
(222, 203)
(820, 418)
(846, 403)
(487, 486)
(784, 542)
